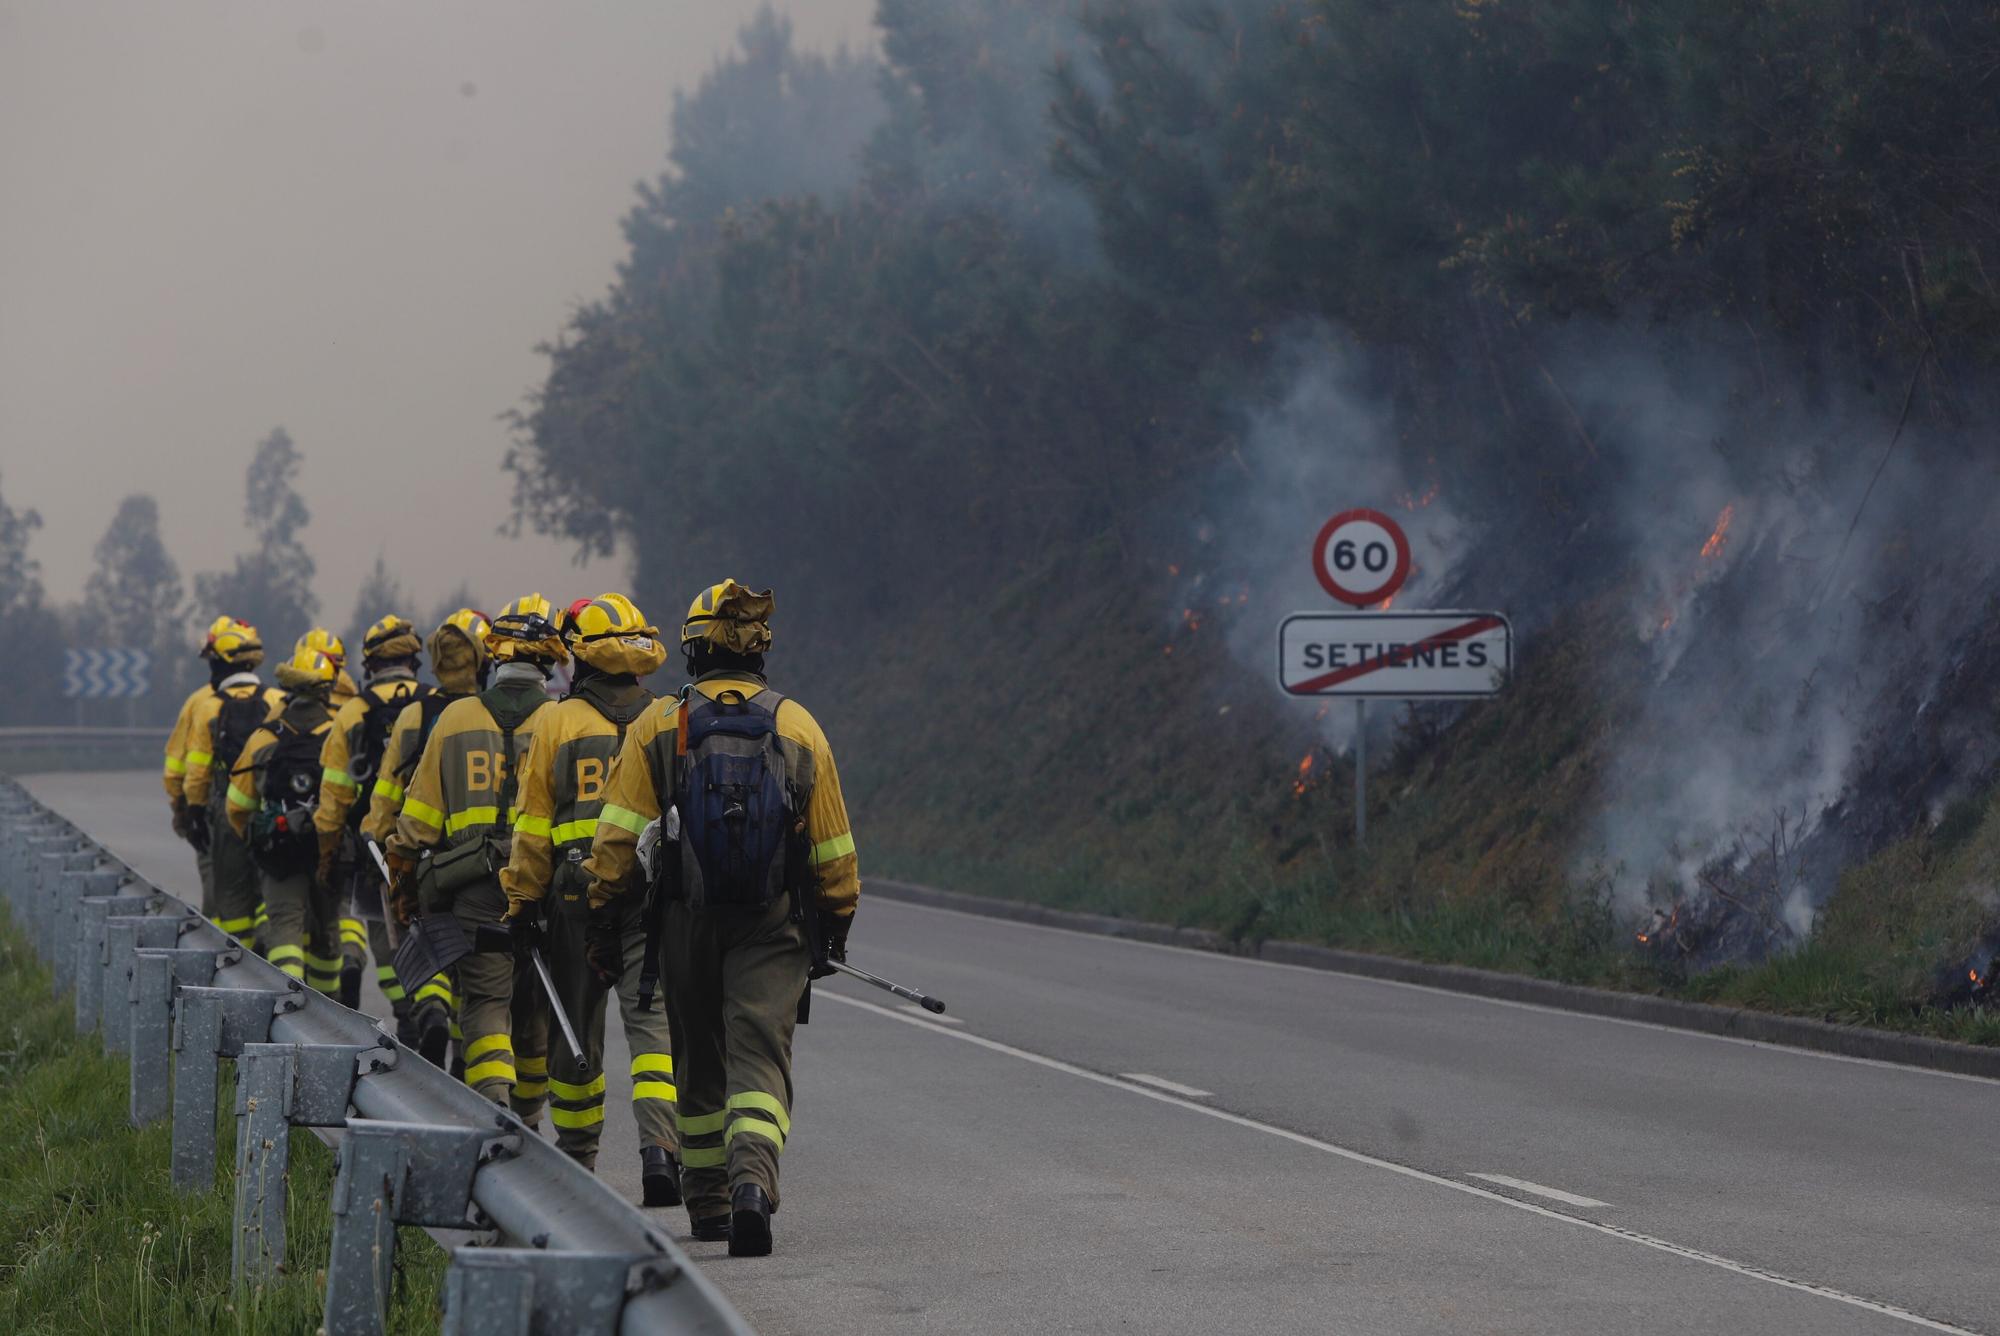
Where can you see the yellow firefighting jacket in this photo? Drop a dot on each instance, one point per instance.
(454, 797)
(338, 790)
(200, 754)
(174, 774)
(644, 770)
(243, 797)
(343, 689)
(562, 789)
(385, 800)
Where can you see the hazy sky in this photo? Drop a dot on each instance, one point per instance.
(353, 219)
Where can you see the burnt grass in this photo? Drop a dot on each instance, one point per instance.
(1064, 745)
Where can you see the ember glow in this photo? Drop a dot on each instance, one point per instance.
(1718, 539)
(1304, 780)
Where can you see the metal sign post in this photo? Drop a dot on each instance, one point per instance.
(1361, 772)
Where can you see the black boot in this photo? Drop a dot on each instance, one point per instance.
(350, 986)
(660, 1176)
(709, 1229)
(433, 1034)
(406, 1028)
(749, 1222)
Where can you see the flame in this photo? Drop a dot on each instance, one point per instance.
(1191, 619)
(1388, 603)
(1304, 780)
(1720, 538)
(1411, 501)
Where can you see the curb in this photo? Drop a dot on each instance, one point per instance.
(1850, 1041)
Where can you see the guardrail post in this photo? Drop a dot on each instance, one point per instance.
(123, 935)
(521, 1291)
(154, 974)
(214, 1023)
(93, 913)
(73, 887)
(279, 1087)
(50, 864)
(392, 1174)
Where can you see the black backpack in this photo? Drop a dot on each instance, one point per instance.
(378, 717)
(743, 841)
(239, 718)
(281, 830)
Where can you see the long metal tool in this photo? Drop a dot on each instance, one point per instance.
(555, 1002)
(931, 1004)
(389, 924)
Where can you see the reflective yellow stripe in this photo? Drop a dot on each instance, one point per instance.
(655, 1090)
(703, 1157)
(763, 1105)
(238, 801)
(200, 758)
(235, 925)
(471, 816)
(700, 1124)
(278, 953)
(562, 1117)
(487, 1071)
(838, 847)
(653, 1062)
(569, 832)
(176, 766)
(564, 1090)
(425, 813)
(295, 969)
(531, 825)
(436, 990)
(387, 788)
(353, 932)
(533, 1066)
(530, 1089)
(331, 776)
(486, 1044)
(624, 819)
(392, 988)
(263, 913)
(756, 1127)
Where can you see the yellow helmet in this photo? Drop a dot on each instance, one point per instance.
(325, 642)
(458, 650)
(731, 616)
(307, 668)
(391, 638)
(237, 645)
(611, 635)
(526, 629)
(215, 628)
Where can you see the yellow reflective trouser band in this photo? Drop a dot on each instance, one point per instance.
(471, 816)
(838, 847)
(531, 825)
(263, 913)
(703, 1157)
(573, 832)
(456, 1033)
(623, 818)
(385, 978)
(533, 1080)
(353, 932)
(236, 926)
(655, 1066)
(753, 1125)
(437, 990)
(390, 789)
(577, 1093)
(700, 1124)
(500, 1065)
(425, 813)
(589, 1116)
(701, 1139)
(290, 959)
(760, 1105)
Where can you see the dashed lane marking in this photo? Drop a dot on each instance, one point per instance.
(1715, 1260)
(1540, 1190)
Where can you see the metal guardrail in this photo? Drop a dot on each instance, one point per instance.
(168, 988)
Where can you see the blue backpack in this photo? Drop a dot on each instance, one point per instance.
(742, 812)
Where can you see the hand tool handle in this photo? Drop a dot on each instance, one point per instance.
(931, 1004)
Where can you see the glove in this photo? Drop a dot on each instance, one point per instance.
(523, 921)
(197, 823)
(833, 930)
(329, 855)
(402, 886)
(180, 821)
(604, 944)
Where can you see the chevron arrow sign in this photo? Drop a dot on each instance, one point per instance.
(106, 674)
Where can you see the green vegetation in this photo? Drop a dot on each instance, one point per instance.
(93, 1237)
(982, 410)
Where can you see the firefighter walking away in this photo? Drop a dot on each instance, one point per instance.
(754, 888)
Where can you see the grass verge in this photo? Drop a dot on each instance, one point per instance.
(94, 1238)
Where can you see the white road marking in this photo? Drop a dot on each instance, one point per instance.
(1436, 1180)
(1164, 1084)
(1553, 1194)
(916, 1010)
(1788, 1050)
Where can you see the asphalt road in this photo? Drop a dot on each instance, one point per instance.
(1113, 1137)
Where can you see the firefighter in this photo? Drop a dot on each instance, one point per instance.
(562, 787)
(353, 756)
(191, 824)
(459, 807)
(331, 645)
(459, 661)
(751, 901)
(273, 788)
(221, 723)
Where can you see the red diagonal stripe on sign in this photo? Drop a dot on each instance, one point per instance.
(1477, 626)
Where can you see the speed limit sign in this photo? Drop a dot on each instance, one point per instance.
(1361, 557)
